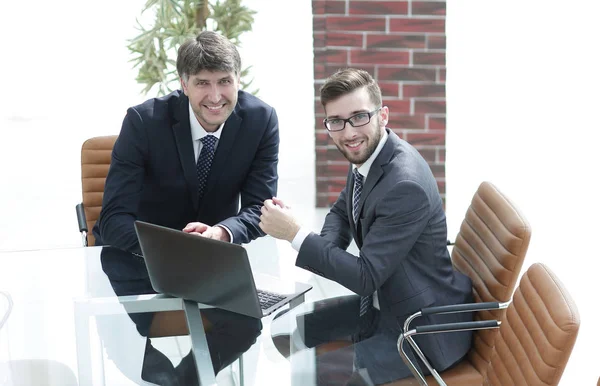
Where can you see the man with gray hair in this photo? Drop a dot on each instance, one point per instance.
(186, 161)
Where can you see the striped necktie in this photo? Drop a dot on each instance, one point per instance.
(365, 301)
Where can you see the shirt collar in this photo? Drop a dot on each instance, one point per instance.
(198, 132)
(364, 168)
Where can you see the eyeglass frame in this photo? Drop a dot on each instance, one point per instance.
(347, 120)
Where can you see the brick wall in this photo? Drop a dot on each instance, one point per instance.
(401, 43)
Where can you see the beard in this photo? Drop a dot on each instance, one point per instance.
(363, 156)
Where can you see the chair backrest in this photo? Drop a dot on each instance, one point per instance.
(490, 248)
(538, 334)
(95, 161)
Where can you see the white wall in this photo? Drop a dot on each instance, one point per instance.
(523, 96)
(67, 78)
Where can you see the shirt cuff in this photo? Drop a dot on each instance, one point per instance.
(299, 238)
(228, 231)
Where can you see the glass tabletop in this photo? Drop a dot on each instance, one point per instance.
(67, 323)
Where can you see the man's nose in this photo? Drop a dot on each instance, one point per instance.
(214, 96)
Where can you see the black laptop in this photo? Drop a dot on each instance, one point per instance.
(208, 271)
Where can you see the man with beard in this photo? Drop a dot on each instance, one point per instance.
(392, 209)
(186, 161)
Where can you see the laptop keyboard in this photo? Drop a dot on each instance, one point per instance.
(268, 299)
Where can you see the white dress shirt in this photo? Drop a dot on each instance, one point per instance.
(198, 132)
(364, 170)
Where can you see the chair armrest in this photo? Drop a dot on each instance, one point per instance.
(455, 308)
(82, 221)
(81, 217)
(464, 307)
(434, 329)
(454, 327)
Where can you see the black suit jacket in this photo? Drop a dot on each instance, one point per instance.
(401, 234)
(152, 176)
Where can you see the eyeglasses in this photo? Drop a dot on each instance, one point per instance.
(357, 120)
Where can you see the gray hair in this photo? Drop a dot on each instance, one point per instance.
(208, 51)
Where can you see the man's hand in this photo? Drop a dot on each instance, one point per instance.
(278, 221)
(201, 229)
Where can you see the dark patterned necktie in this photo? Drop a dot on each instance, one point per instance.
(205, 159)
(365, 301)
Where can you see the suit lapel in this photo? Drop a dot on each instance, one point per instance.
(222, 160)
(376, 171)
(185, 147)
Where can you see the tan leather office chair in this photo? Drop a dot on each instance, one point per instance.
(490, 248)
(95, 161)
(536, 336)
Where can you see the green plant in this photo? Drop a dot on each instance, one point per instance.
(154, 50)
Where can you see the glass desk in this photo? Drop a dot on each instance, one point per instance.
(67, 323)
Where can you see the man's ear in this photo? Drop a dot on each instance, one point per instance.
(183, 85)
(385, 114)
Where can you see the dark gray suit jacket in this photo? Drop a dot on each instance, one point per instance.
(401, 234)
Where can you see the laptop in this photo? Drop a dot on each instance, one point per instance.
(209, 271)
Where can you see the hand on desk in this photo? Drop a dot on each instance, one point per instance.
(201, 229)
(277, 220)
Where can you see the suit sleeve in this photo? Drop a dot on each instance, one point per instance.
(122, 191)
(401, 216)
(336, 228)
(260, 185)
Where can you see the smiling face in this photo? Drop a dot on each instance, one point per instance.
(357, 144)
(213, 96)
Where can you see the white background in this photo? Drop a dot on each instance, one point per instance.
(522, 95)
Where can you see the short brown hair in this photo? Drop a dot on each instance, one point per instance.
(208, 51)
(346, 81)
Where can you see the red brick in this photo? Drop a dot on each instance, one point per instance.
(397, 106)
(432, 8)
(333, 170)
(428, 154)
(378, 7)
(332, 184)
(436, 123)
(319, 40)
(340, 39)
(441, 156)
(335, 23)
(321, 7)
(331, 56)
(423, 91)
(406, 121)
(395, 41)
(389, 89)
(436, 42)
(438, 170)
(323, 201)
(321, 136)
(441, 75)
(318, 23)
(399, 133)
(429, 58)
(404, 24)
(379, 57)
(407, 74)
(329, 153)
(429, 138)
(433, 107)
(324, 70)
